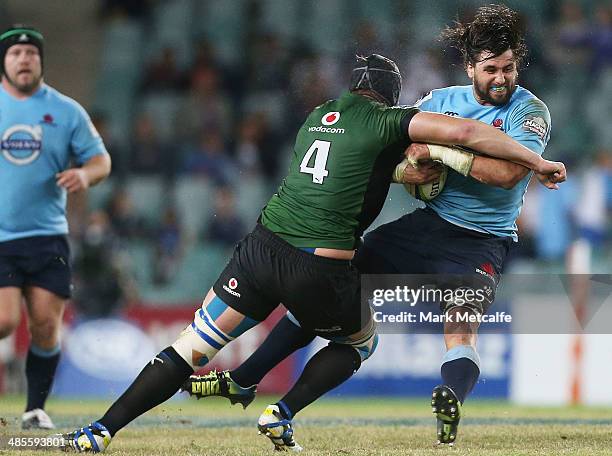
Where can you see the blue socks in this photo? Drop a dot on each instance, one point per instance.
(460, 370)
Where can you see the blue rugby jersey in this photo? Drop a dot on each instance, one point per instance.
(472, 204)
(40, 136)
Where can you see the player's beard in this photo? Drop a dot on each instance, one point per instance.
(25, 88)
(483, 92)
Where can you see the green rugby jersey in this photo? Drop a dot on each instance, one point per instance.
(340, 173)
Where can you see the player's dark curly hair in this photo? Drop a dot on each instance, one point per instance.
(495, 28)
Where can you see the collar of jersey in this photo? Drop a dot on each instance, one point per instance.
(39, 93)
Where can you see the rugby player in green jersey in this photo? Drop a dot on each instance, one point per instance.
(300, 251)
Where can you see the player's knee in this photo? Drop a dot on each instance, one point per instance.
(45, 332)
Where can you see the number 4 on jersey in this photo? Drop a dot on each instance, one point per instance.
(320, 149)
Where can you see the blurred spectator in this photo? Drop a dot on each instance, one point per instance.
(528, 224)
(591, 210)
(163, 73)
(258, 148)
(103, 281)
(120, 163)
(134, 9)
(367, 39)
(126, 223)
(546, 224)
(268, 64)
(206, 108)
(168, 247)
(571, 25)
(423, 73)
(556, 224)
(147, 153)
(210, 159)
(225, 226)
(205, 56)
(310, 85)
(597, 38)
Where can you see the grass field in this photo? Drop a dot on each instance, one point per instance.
(336, 427)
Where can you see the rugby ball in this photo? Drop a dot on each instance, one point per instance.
(427, 192)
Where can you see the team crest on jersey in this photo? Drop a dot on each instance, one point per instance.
(330, 118)
(21, 143)
(498, 123)
(537, 125)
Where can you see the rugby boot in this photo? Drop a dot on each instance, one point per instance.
(219, 384)
(447, 408)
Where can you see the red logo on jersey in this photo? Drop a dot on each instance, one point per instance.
(497, 123)
(330, 118)
(233, 283)
(48, 118)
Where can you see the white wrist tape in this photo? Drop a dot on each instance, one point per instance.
(459, 160)
(398, 172)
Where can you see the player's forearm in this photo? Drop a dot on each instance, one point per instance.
(97, 168)
(498, 173)
(494, 143)
(430, 128)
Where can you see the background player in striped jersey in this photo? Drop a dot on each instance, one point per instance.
(477, 209)
(300, 252)
(42, 132)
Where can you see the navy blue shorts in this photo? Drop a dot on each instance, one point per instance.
(41, 261)
(423, 243)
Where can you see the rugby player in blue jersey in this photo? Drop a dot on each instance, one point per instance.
(44, 134)
(468, 229)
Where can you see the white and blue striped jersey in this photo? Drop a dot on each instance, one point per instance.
(472, 204)
(40, 137)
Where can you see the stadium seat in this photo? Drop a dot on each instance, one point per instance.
(252, 194)
(149, 194)
(162, 108)
(194, 197)
(225, 24)
(282, 18)
(197, 272)
(272, 102)
(172, 24)
(330, 24)
(98, 196)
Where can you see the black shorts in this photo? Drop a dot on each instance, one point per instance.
(41, 261)
(322, 293)
(424, 243)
